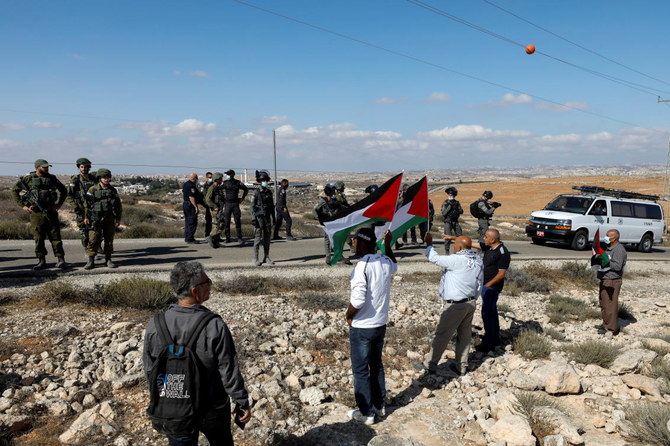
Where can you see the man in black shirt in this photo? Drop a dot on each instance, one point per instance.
(231, 188)
(282, 212)
(496, 263)
(190, 207)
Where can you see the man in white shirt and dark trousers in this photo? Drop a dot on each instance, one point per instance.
(367, 316)
(460, 285)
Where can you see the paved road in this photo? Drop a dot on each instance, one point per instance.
(139, 255)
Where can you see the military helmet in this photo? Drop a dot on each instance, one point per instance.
(339, 185)
(328, 190)
(230, 172)
(102, 173)
(262, 175)
(84, 161)
(451, 190)
(488, 194)
(371, 189)
(217, 176)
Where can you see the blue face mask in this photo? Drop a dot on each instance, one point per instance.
(210, 180)
(450, 198)
(265, 184)
(227, 177)
(606, 240)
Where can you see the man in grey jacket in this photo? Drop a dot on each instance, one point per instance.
(610, 282)
(215, 349)
(460, 285)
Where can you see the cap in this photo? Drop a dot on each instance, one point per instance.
(84, 161)
(230, 172)
(42, 163)
(217, 176)
(102, 173)
(367, 234)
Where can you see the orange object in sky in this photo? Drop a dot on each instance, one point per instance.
(530, 49)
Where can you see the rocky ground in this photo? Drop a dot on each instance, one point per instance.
(71, 374)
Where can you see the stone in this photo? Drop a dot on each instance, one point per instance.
(554, 440)
(514, 430)
(502, 403)
(645, 384)
(312, 396)
(474, 434)
(522, 381)
(560, 424)
(391, 440)
(631, 360)
(558, 378)
(271, 388)
(5, 403)
(292, 381)
(58, 408)
(90, 424)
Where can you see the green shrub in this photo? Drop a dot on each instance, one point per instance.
(528, 402)
(133, 215)
(136, 292)
(167, 231)
(320, 301)
(422, 277)
(504, 308)
(624, 312)
(57, 292)
(648, 422)
(141, 230)
(529, 280)
(15, 230)
(555, 334)
(243, 284)
(593, 352)
(561, 309)
(255, 284)
(578, 272)
(660, 368)
(532, 345)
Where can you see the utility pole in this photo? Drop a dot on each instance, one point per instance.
(666, 183)
(274, 145)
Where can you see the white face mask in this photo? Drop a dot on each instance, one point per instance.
(450, 198)
(265, 184)
(227, 177)
(606, 240)
(210, 180)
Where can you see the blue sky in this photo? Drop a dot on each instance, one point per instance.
(204, 83)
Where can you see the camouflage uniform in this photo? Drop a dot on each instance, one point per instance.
(103, 210)
(43, 194)
(214, 200)
(76, 196)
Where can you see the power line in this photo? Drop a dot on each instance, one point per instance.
(625, 83)
(574, 43)
(432, 64)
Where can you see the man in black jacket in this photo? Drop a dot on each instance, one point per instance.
(282, 212)
(231, 188)
(451, 211)
(215, 349)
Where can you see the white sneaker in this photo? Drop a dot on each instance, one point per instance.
(356, 415)
(381, 413)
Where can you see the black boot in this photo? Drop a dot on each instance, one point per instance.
(267, 258)
(41, 264)
(61, 263)
(108, 261)
(91, 263)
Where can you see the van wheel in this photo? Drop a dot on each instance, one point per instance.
(539, 241)
(646, 242)
(580, 240)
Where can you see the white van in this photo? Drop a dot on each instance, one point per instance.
(574, 218)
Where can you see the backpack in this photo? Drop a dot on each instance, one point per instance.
(176, 393)
(474, 209)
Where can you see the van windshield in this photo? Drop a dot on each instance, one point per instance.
(570, 203)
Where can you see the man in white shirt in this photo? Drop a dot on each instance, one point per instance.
(367, 316)
(460, 285)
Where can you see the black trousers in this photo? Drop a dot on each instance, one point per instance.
(190, 221)
(281, 216)
(232, 209)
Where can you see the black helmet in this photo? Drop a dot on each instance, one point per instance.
(488, 194)
(328, 189)
(451, 190)
(81, 161)
(262, 175)
(371, 189)
(230, 172)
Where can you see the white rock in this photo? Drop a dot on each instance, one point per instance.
(312, 396)
(503, 403)
(645, 384)
(630, 360)
(514, 430)
(558, 378)
(560, 423)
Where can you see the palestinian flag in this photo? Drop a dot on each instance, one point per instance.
(600, 260)
(596, 250)
(412, 211)
(378, 206)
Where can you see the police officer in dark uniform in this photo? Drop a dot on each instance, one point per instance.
(76, 194)
(282, 212)
(231, 192)
(451, 211)
(208, 211)
(190, 206)
(43, 195)
(262, 214)
(486, 209)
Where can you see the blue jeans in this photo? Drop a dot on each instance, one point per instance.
(490, 316)
(366, 364)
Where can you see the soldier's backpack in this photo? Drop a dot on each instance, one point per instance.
(176, 394)
(474, 209)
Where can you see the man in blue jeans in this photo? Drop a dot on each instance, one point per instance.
(496, 263)
(367, 316)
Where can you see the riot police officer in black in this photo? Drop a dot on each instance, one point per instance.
(231, 192)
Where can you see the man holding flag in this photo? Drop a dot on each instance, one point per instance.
(609, 266)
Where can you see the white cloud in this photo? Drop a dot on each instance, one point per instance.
(520, 99)
(470, 132)
(191, 126)
(197, 73)
(272, 120)
(12, 127)
(46, 125)
(437, 96)
(6, 143)
(186, 127)
(76, 56)
(385, 101)
(561, 108)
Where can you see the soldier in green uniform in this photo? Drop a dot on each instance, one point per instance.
(76, 194)
(214, 201)
(43, 195)
(102, 211)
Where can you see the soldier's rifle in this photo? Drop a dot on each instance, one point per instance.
(31, 199)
